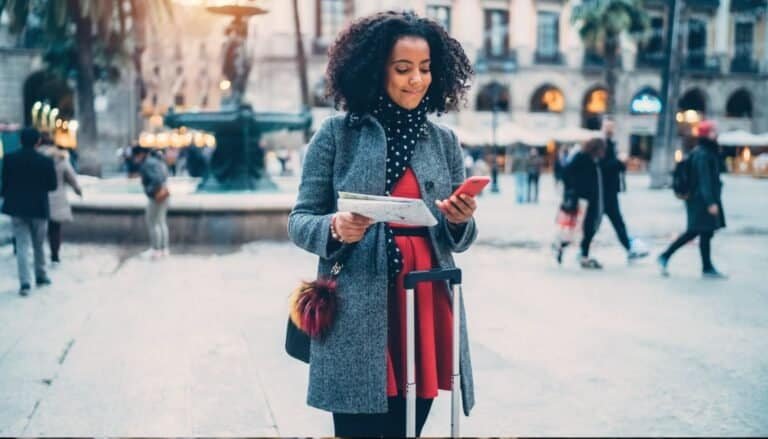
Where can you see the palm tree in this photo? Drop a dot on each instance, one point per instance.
(84, 37)
(601, 23)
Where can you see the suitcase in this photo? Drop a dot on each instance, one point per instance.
(452, 276)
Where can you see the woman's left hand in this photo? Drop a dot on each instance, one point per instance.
(457, 209)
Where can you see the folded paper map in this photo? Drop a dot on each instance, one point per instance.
(406, 211)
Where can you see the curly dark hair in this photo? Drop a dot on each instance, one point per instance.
(359, 55)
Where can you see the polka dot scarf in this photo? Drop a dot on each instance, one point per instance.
(402, 128)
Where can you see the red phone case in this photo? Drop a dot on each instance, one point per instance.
(472, 186)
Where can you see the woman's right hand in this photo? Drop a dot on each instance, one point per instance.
(351, 227)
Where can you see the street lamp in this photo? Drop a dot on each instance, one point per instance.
(496, 95)
(494, 165)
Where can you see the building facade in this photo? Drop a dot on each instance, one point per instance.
(529, 57)
(531, 66)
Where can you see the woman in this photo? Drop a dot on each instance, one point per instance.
(704, 206)
(583, 179)
(60, 209)
(388, 70)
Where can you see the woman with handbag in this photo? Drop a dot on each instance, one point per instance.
(60, 209)
(388, 71)
(154, 180)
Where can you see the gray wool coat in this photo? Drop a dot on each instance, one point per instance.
(347, 371)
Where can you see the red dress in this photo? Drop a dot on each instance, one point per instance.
(433, 314)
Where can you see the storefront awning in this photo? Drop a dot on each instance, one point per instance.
(742, 138)
(507, 133)
(574, 134)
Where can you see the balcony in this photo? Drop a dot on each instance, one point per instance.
(698, 64)
(748, 5)
(494, 63)
(651, 60)
(593, 62)
(706, 5)
(552, 58)
(744, 64)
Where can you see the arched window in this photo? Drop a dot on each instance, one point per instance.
(693, 99)
(645, 101)
(593, 107)
(493, 95)
(739, 104)
(47, 88)
(547, 99)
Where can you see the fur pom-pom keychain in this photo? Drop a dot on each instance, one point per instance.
(313, 305)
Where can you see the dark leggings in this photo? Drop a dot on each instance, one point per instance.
(533, 188)
(614, 214)
(390, 424)
(705, 239)
(54, 239)
(589, 228)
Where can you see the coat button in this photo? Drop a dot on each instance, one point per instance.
(429, 185)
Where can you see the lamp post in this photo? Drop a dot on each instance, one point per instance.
(494, 125)
(670, 85)
(494, 166)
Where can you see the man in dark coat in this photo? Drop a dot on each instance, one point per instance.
(28, 176)
(704, 205)
(612, 170)
(583, 179)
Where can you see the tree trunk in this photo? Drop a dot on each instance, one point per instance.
(301, 61)
(87, 135)
(138, 18)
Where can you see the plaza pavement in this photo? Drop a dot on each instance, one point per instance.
(192, 345)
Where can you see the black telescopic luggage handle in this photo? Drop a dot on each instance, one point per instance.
(453, 275)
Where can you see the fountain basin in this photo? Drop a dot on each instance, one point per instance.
(112, 211)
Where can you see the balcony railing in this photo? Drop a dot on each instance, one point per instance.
(496, 63)
(548, 58)
(653, 60)
(744, 64)
(748, 5)
(698, 63)
(593, 62)
(703, 4)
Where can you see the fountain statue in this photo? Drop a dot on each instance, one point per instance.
(237, 203)
(237, 163)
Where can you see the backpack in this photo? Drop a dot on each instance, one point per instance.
(681, 179)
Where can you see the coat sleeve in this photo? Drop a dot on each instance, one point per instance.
(704, 183)
(462, 236)
(4, 182)
(51, 181)
(310, 220)
(71, 178)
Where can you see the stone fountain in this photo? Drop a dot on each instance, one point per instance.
(239, 202)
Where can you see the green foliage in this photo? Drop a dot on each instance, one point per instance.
(54, 24)
(601, 22)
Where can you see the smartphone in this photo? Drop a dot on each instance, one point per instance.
(472, 186)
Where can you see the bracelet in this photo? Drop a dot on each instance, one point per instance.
(334, 234)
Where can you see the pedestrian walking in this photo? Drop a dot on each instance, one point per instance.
(60, 209)
(703, 202)
(27, 178)
(612, 170)
(154, 179)
(558, 167)
(584, 181)
(385, 145)
(535, 163)
(520, 171)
